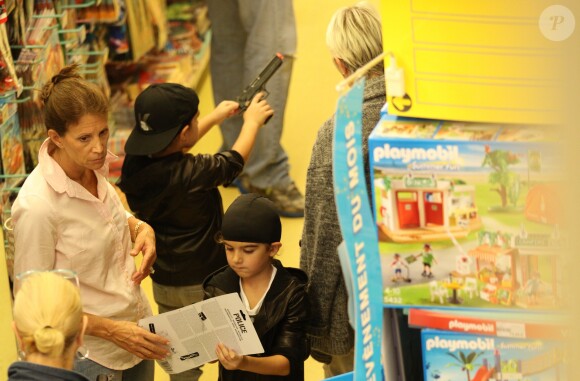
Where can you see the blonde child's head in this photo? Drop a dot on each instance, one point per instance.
(48, 315)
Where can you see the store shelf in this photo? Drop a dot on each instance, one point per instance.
(202, 62)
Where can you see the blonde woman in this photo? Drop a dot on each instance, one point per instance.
(49, 326)
(353, 37)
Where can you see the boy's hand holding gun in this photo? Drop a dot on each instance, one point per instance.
(258, 85)
(258, 112)
(225, 110)
(252, 102)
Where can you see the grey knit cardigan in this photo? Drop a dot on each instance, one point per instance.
(329, 331)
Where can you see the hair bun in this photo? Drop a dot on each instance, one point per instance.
(49, 340)
(70, 71)
(57, 78)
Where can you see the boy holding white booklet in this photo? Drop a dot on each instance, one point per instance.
(274, 296)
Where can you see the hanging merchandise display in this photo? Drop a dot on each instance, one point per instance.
(104, 11)
(40, 58)
(140, 27)
(129, 36)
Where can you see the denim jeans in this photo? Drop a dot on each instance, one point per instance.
(246, 34)
(144, 371)
(169, 298)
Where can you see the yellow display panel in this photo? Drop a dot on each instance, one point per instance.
(475, 61)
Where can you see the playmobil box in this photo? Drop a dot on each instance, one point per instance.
(451, 356)
(508, 324)
(468, 214)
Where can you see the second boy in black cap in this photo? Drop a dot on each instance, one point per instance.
(176, 192)
(274, 296)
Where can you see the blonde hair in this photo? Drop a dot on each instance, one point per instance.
(354, 35)
(67, 97)
(47, 314)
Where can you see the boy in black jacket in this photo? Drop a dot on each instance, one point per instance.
(177, 193)
(274, 295)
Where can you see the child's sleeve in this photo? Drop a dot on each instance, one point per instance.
(206, 171)
(291, 341)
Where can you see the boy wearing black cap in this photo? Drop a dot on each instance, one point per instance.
(177, 193)
(274, 295)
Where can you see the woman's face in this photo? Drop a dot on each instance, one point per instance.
(85, 143)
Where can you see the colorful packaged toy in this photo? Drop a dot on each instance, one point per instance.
(468, 214)
(454, 356)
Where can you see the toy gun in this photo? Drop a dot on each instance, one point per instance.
(259, 84)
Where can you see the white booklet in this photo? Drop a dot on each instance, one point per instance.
(194, 332)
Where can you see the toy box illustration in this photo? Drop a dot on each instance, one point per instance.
(454, 356)
(468, 214)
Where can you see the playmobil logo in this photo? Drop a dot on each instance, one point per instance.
(479, 344)
(473, 327)
(406, 155)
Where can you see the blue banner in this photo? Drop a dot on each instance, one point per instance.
(359, 234)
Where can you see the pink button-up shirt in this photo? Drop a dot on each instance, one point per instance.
(58, 224)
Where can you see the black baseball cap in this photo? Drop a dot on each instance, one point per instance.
(252, 218)
(161, 111)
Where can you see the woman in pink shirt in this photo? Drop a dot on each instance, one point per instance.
(68, 216)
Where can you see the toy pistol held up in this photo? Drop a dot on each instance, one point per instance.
(259, 84)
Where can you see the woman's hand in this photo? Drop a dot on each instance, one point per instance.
(144, 243)
(229, 358)
(138, 341)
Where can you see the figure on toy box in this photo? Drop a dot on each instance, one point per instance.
(397, 265)
(463, 264)
(532, 288)
(428, 259)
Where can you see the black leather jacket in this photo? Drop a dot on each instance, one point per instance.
(178, 196)
(280, 323)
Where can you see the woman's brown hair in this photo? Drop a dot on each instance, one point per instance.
(67, 97)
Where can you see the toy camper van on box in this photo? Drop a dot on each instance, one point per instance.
(468, 214)
(454, 356)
